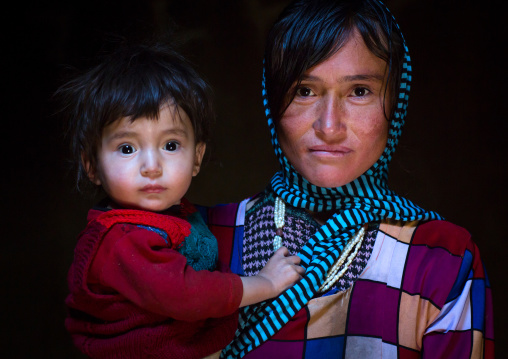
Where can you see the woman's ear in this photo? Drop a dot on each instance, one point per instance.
(90, 171)
(198, 159)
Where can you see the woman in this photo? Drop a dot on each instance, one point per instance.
(384, 277)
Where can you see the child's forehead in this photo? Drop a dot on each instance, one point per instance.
(173, 111)
(171, 118)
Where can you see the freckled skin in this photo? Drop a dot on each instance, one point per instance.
(149, 163)
(335, 128)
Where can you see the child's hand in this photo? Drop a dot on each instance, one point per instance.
(282, 270)
(279, 273)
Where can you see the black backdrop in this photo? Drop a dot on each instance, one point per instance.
(451, 159)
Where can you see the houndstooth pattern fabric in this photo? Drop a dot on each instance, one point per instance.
(299, 225)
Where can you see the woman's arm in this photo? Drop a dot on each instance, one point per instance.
(463, 327)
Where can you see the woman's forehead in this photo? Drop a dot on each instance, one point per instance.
(352, 61)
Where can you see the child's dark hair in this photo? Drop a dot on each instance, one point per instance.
(309, 32)
(134, 80)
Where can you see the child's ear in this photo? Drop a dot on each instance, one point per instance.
(91, 172)
(200, 152)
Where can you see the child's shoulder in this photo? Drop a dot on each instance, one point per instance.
(104, 219)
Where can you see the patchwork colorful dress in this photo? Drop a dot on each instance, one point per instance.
(419, 291)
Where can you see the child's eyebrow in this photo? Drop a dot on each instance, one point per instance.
(176, 131)
(121, 135)
(131, 134)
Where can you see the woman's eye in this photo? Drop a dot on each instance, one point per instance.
(360, 92)
(171, 146)
(304, 92)
(127, 149)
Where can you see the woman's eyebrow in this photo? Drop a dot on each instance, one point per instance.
(362, 77)
(348, 78)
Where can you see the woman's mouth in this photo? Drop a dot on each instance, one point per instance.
(330, 150)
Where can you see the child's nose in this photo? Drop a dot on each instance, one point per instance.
(151, 166)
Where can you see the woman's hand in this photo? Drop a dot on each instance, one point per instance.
(279, 273)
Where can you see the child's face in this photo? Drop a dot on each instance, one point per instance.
(148, 164)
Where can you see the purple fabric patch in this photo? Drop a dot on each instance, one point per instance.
(369, 318)
(223, 215)
(277, 350)
(430, 272)
(455, 345)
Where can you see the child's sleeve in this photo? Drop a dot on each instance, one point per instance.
(137, 264)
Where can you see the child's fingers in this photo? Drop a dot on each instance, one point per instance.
(300, 270)
(295, 259)
(285, 252)
(282, 251)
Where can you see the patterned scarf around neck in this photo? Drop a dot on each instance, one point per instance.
(361, 201)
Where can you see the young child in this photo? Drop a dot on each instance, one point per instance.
(145, 280)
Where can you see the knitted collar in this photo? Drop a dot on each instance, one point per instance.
(364, 200)
(181, 226)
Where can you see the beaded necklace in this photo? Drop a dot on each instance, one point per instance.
(278, 217)
(346, 258)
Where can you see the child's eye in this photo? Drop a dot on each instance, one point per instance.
(171, 146)
(360, 92)
(127, 149)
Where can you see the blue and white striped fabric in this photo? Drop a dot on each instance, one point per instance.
(364, 200)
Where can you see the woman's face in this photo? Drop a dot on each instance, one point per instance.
(335, 128)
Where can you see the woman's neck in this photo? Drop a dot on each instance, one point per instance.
(321, 217)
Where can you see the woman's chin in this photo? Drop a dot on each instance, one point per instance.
(328, 181)
(327, 176)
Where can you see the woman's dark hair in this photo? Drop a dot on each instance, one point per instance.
(134, 80)
(308, 32)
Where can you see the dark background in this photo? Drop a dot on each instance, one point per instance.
(451, 159)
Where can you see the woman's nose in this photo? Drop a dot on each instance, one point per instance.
(151, 166)
(330, 119)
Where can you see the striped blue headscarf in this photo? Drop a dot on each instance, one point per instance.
(366, 199)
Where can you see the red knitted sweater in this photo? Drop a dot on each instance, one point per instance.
(133, 296)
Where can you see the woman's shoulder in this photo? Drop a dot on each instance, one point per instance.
(229, 213)
(443, 228)
(433, 233)
(434, 236)
(224, 214)
(443, 234)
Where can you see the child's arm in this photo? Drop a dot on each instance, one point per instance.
(279, 273)
(136, 265)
